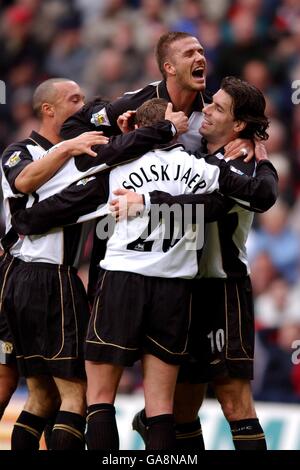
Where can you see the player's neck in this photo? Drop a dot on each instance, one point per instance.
(182, 99)
(221, 141)
(50, 133)
(212, 147)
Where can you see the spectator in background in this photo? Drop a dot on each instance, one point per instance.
(296, 146)
(102, 27)
(276, 238)
(259, 73)
(16, 39)
(210, 37)
(243, 42)
(107, 73)
(263, 272)
(280, 374)
(151, 21)
(280, 156)
(68, 55)
(272, 306)
(190, 17)
(287, 16)
(150, 69)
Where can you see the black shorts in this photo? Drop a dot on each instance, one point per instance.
(221, 341)
(7, 355)
(134, 315)
(47, 311)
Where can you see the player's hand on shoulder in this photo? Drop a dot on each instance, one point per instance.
(84, 142)
(260, 151)
(239, 148)
(126, 204)
(178, 118)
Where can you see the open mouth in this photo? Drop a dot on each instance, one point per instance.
(205, 123)
(198, 72)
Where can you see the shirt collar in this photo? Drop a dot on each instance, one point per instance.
(203, 148)
(40, 140)
(198, 104)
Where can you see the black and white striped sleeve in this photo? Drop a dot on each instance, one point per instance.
(256, 193)
(14, 159)
(80, 198)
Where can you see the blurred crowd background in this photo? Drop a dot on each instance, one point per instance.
(107, 47)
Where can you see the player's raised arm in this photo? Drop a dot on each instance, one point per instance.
(36, 173)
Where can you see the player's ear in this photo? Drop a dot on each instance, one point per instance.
(47, 110)
(169, 68)
(239, 126)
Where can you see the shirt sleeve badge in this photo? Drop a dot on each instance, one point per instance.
(100, 118)
(14, 159)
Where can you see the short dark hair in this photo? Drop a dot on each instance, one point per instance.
(162, 47)
(46, 92)
(151, 111)
(248, 105)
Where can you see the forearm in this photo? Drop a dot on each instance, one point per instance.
(125, 147)
(62, 209)
(38, 172)
(256, 193)
(215, 205)
(259, 192)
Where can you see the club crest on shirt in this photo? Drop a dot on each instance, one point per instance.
(84, 181)
(13, 160)
(100, 118)
(139, 247)
(6, 347)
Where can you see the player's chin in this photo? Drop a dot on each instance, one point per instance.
(204, 131)
(199, 86)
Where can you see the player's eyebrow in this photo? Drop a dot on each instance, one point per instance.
(218, 105)
(76, 95)
(193, 49)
